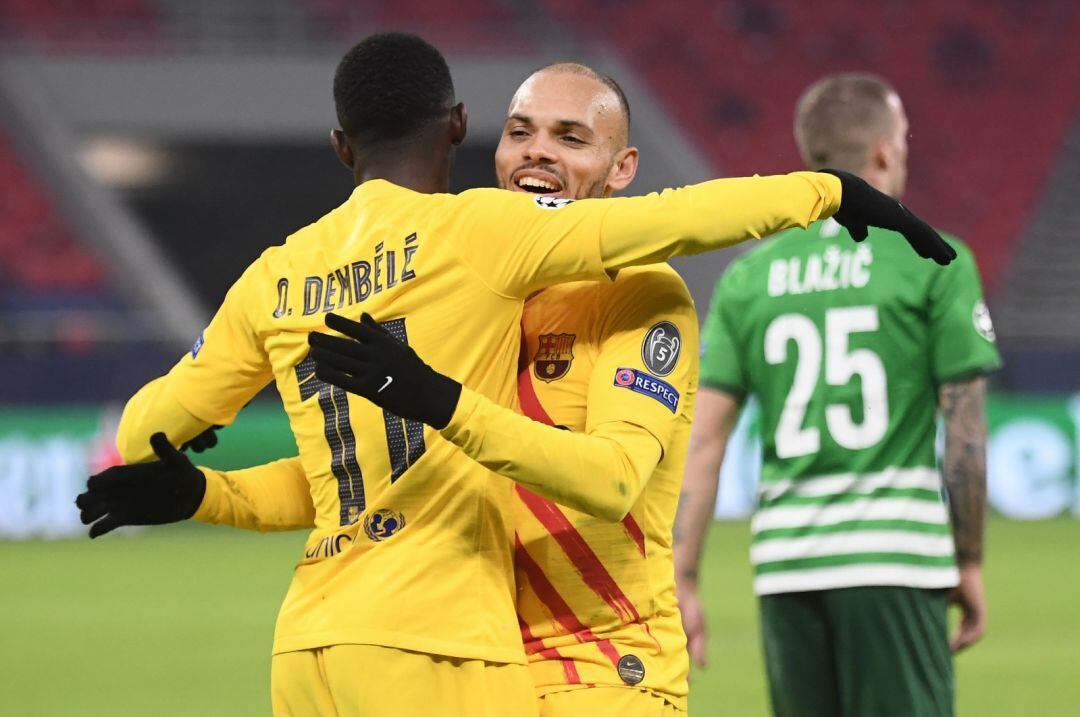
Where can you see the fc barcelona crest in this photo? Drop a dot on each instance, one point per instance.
(554, 356)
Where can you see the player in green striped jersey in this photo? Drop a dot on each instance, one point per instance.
(850, 349)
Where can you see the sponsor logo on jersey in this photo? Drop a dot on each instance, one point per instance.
(646, 385)
(197, 346)
(328, 546)
(383, 523)
(554, 356)
(661, 348)
(552, 202)
(631, 669)
(980, 316)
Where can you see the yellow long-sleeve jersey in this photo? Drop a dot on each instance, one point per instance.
(596, 598)
(412, 546)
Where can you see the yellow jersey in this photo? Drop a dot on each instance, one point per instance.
(596, 599)
(412, 544)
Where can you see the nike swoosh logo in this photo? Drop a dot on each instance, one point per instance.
(389, 380)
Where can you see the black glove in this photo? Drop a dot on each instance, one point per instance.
(373, 364)
(862, 206)
(202, 442)
(165, 491)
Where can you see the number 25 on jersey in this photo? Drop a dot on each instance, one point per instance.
(842, 364)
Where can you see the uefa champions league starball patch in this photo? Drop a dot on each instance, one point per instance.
(980, 316)
(552, 202)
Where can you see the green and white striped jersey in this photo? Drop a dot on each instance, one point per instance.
(844, 346)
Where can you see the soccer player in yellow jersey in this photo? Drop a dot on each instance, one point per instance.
(596, 597)
(406, 579)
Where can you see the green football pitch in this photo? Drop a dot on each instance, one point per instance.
(178, 621)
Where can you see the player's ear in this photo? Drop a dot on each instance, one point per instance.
(341, 148)
(623, 169)
(882, 156)
(459, 121)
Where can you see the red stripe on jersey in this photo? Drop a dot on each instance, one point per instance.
(593, 572)
(651, 637)
(530, 402)
(555, 521)
(535, 646)
(556, 605)
(545, 590)
(547, 593)
(635, 533)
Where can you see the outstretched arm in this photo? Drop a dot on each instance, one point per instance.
(601, 472)
(599, 469)
(568, 241)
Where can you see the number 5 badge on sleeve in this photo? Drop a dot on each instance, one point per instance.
(661, 348)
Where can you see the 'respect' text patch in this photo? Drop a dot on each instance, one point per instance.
(648, 385)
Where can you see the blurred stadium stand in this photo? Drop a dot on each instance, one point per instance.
(66, 332)
(225, 105)
(992, 89)
(973, 74)
(43, 266)
(71, 25)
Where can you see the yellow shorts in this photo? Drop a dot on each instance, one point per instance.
(607, 702)
(367, 680)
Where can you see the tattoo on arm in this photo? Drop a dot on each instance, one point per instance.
(963, 406)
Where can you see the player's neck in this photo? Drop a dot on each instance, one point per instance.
(878, 180)
(418, 167)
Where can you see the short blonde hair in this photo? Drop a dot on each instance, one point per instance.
(840, 117)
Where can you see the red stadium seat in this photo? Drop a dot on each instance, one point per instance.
(464, 26)
(65, 25)
(37, 251)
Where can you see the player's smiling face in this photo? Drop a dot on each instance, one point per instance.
(565, 136)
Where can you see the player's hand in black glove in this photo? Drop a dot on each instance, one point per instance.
(164, 491)
(204, 441)
(862, 206)
(373, 364)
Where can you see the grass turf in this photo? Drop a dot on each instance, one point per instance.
(179, 620)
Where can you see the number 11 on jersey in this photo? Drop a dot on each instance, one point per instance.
(404, 439)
